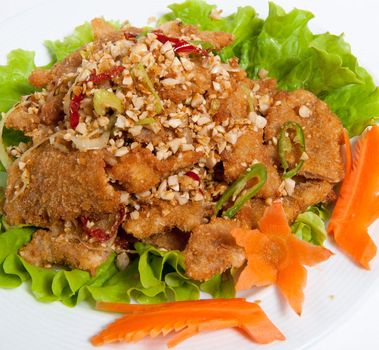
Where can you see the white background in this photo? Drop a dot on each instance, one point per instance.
(361, 330)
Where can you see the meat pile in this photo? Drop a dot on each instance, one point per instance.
(159, 135)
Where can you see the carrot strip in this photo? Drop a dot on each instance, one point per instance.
(358, 203)
(276, 256)
(190, 318)
(201, 327)
(137, 308)
(188, 332)
(348, 153)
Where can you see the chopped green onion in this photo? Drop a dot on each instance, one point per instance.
(258, 171)
(146, 121)
(103, 99)
(285, 146)
(140, 71)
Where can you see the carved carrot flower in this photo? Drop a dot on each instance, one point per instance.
(276, 256)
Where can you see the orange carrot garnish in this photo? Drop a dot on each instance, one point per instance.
(138, 308)
(358, 202)
(348, 153)
(187, 319)
(276, 256)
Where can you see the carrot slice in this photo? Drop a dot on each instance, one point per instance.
(291, 282)
(308, 254)
(276, 256)
(257, 273)
(274, 220)
(138, 308)
(189, 318)
(358, 203)
(348, 153)
(190, 331)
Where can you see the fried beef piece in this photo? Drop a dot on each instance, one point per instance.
(56, 186)
(43, 77)
(305, 194)
(49, 248)
(249, 147)
(162, 217)
(211, 250)
(172, 240)
(140, 170)
(218, 40)
(322, 129)
(20, 119)
(50, 113)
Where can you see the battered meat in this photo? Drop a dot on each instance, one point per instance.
(140, 170)
(162, 217)
(56, 186)
(305, 194)
(49, 248)
(322, 131)
(20, 119)
(156, 170)
(172, 240)
(211, 250)
(249, 148)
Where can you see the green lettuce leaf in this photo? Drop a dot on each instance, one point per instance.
(14, 78)
(59, 49)
(220, 286)
(310, 225)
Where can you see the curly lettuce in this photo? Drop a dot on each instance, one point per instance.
(59, 49)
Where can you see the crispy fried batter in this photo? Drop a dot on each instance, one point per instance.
(139, 170)
(172, 240)
(322, 130)
(236, 104)
(162, 217)
(50, 113)
(249, 147)
(20, 119)
(306, 194)
(211, 250)
(59, 186)
(101, 28)
(49, 248)
(52, 110)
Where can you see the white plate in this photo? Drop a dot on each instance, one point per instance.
(334, 288)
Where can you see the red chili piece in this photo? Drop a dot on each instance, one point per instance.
(100, 78)
(130, 36)
(97, 233)
(193, 176)
(74, 110)
(180, 45)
